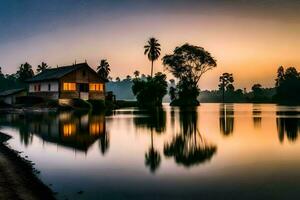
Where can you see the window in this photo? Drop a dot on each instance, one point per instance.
(49, 87)
(37, 87)
(69, 129)
(69, 86)
(96, 87)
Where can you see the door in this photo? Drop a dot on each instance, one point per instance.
(84, 91)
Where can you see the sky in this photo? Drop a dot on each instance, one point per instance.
(247, 38)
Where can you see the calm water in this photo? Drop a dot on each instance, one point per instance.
(233, 151)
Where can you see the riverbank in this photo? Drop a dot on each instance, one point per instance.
(18, 177)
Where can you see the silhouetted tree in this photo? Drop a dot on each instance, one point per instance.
(42, 67)
(25, 72)
(188, 63)
(172, 93)
(150, 92)
(118, 79)
(103, 69)
(1, 74)
(152, 50)
(226, 83)
(136, 73)
(288, 85)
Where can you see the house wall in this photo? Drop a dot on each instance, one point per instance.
(53, 93)
(83, 75)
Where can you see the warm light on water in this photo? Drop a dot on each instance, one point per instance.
(240, 151)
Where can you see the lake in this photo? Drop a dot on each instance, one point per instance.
(214, 151)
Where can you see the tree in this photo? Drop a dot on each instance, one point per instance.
(103, 70)
(42, 67)
(152, 50)
(288, 85)
(188, 63)
(128, 77)
(136, 73)
(226, 81)
(1, 74)
(280, 76)
(172, 93)
(25, 72)
(118, 79)
(150, 92)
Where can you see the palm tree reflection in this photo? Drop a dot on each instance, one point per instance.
(189, 147)
(152, 157)
(155, 120)
(226, 119)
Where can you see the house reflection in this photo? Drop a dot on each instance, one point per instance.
(288, 125)
(226, 119)
(76, 130)
(189, 147)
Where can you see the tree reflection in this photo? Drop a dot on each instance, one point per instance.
(256, 114)
(152, 157)
(226, 119)
(287, 124)
(154, 120)
(189, 147)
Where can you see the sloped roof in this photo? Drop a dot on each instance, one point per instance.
(11, 92)
(56, 73)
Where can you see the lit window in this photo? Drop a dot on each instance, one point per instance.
(96, 128)
(69, 86)
(69, 129)
(96, 87)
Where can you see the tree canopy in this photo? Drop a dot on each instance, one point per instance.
(152, 50)
(103, 70)
(188, 63)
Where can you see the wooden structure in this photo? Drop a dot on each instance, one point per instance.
(77, 81)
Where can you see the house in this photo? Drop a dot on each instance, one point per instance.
(78, 81)
(10, 96)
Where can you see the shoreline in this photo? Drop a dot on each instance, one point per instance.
(19, 177)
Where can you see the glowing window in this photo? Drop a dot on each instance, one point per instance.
(69, 129)
(69, 86)
(96, 87)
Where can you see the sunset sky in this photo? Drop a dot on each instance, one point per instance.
(248, 38)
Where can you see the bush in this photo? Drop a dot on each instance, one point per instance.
(150, 92)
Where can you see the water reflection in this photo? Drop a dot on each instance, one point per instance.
(154, 120)
(288, 124)
(226, 119)
(256, 115)
(76, 130)
(189, 147)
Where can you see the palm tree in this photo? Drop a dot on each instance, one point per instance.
(152, 50)
(103, 69)
(42, 67)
